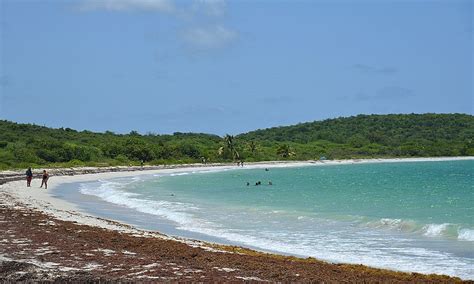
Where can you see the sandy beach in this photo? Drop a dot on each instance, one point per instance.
(46, 238)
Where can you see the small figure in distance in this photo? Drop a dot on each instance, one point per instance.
(29, 177)
(242, 164)
(44, 181)
(248, 183)
(258, 183)
(266, 169)
(270, 183)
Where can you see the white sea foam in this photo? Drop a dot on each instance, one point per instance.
(210, 171)
(435, 230)
(196, 171)
(110, 191)
(332, 247)
(179, 174)
(466, 235)
(444, 230)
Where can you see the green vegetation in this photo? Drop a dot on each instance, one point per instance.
(362, 136)
(394, 135)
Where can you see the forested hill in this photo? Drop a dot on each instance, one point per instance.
(373, 135)
(363, 136)
(391, 129)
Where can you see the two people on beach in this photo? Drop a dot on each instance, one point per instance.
(44, 178)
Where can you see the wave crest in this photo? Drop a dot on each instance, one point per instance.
(444, 230)
(395, 224)
(436, 230)
(466, 235)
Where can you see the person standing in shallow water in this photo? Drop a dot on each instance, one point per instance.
(44, 181)
(29, 177)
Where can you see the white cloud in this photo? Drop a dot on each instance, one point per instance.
(214, 8)
(209, 37)
(195, 16)
(129, 5)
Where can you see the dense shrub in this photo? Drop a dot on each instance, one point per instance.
(360, 136)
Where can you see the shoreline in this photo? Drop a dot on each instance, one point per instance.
(44, 201)
(18, 197)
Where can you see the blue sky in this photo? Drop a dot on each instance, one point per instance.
(230, 66)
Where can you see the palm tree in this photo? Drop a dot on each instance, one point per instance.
(229, 147)
(285, 151)
(252, 147)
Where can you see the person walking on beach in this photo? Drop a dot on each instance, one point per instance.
(45, 179)
(29, 177)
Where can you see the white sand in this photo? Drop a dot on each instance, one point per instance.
(43, 200)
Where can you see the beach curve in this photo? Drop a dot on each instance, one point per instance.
(38, 204)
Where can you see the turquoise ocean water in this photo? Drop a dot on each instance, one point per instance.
(416, 216)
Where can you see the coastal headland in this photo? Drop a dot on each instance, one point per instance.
(44, 238)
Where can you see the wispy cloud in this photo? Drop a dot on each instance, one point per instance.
(386, 93)
(212, 8)
(128, 5)
(375, 70)
(202, 20)
(209, 37)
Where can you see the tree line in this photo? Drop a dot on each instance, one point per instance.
(362, 136)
